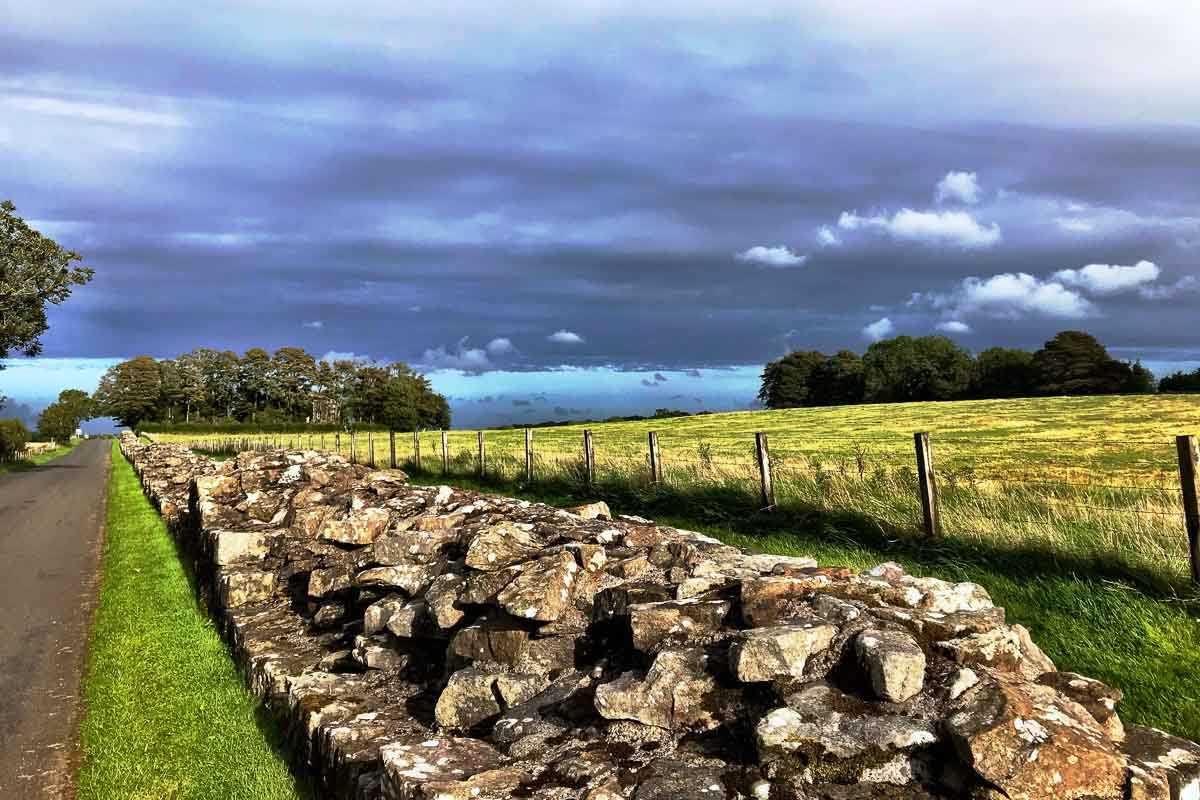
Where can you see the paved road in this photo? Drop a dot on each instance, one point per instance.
(50, 534)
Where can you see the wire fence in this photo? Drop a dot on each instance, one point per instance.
(1129, 499)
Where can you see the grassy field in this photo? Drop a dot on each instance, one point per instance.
(1092, 480)
(40, 458)
(167, 713)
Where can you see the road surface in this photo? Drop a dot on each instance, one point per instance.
(51, 522)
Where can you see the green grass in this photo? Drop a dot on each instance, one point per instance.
(1145, 642)
(167, 714)
(40, 458)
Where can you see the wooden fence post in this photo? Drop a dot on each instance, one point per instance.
(766, 486)
(655, 462)
(1189, 481)
(445, 453)
(392, 449)
(529, 455)
(482, 455)
(370, 449)
(353, 450)
(589, 458)
(927, 481)
(337, 442)
(417, 448)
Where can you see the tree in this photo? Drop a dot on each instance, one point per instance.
(13, 438)
(837, 381)
(1181, 382)
(56, 423)
(34, 271)
(785, 383)
(905, 369)
(1004, 372)
(130, 391)
(293, 373)
(1075, 363)
(255, 378)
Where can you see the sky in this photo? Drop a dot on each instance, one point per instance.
(512, 197)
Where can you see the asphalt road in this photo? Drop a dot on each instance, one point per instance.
(51, 521)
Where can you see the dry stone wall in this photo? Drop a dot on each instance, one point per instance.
(421, 643)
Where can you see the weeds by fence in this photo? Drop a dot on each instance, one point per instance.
(1125, 502)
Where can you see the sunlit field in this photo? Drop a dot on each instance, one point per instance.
(1093, 479)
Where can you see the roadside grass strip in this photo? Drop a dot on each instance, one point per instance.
(167, 713)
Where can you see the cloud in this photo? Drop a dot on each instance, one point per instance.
(1010, 296)
(461, 357)
(565, 337)
(517, 403)
(660, 378)
(1074, 225)
(879, 329)
(826, 237)
(930, 227)
(960, 187)
(338, 355)
(1109, 278)
(693, 373)
(771, 256)
(1186, 284)
(500, 346)
(316, 324)
(954, 326)
(648, 382)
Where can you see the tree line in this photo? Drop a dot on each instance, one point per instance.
(289, 386)
(910, 369)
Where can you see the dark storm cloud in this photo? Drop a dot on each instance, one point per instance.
(431, 183)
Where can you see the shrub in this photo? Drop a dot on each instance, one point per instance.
(13, 438)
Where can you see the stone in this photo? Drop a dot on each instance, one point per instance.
(358, 527)
(1163, 766)
(240, 587)
(501, 545)
(764, 654)
(376, 652)
(497, 640)
(596, 510)
(413, 621)
(473, 696)
(412, 579)
(414, 546)
(442, 597)
(774, 600)
(376, 615)
(543, 590)
(678, 621)
(677, 692)
(439, 767)
(232, 546)
(329, 580)
(1099, 699)
(1003, 649)
(826, 727)
(1030, 742)
(894, 663)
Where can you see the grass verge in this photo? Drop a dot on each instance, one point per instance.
(167, 712)
(1087, 618)
(41, 458)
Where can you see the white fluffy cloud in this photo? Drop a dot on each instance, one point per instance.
(1109, 278)
(1188, 283)
(500, 346)
(316, 324)
(779, 256)
(932, 227)
(879, 329)
(954, 326)
(565, 337)
(826, 237)
(958, 187)
(1012, 296)
(461, 357)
